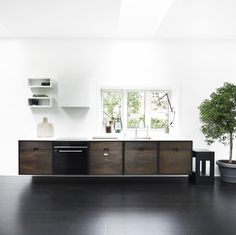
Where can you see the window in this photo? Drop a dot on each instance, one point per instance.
(136, 108)
(159, 110)
(111, 105)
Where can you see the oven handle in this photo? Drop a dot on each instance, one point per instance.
(70, 151)
(70, 147)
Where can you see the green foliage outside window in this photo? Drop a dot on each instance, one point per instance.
(111, 105)
(136, 122)
(136, 117)
(158, 123)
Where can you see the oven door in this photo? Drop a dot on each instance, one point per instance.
(70, 159)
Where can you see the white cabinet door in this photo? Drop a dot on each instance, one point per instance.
(74, 92)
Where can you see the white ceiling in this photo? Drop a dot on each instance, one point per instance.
(58, 18)
(118, 18)
(199, 19)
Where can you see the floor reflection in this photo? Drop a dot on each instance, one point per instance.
(71, 206)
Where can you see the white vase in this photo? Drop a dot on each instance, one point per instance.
(45, 129)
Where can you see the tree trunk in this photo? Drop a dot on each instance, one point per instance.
(231, 148)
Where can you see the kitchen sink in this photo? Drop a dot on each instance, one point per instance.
(104, 137)
(141, 138)
(73, 138)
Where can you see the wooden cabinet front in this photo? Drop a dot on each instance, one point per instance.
(140, 158)
(175, 157)
(35, 158)
(110, 158)
(106, 158)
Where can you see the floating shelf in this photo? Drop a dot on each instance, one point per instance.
(40, 102)
(40, 82)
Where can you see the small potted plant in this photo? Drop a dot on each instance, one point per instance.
(218, 117)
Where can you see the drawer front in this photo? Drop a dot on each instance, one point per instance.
(35, 158)
(175, 158)
(106, 158)
(140, 145)
(140, 160)
(35, 145)
(112, 146)
(175, 145)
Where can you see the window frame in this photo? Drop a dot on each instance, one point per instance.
(147, 105)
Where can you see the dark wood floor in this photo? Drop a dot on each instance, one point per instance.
(71, 206)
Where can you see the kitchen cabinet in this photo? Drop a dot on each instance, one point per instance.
(74, 92)
(106, 158)
(140, 158)
(119, 157)
(35, 158)
(175, 157)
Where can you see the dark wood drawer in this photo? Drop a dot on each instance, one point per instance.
(35, 145)
(175, 158)
(140, 145)
(175, 145)
(106, 158)
(98, 146)
(140, 158)
(35, 158)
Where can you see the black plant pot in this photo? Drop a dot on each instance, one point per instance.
(227, 171)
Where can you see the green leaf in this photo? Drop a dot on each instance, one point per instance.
(218, 114)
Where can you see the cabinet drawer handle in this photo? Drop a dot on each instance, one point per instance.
(140, 149)
(35, 149)
(70, 151)
(175, 149)
(70, 147)
(106, 151)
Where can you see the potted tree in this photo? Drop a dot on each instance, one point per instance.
(218, 117)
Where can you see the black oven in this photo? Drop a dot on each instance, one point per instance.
(70, 158)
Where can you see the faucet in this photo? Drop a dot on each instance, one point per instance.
(136, 132)
(147, 132)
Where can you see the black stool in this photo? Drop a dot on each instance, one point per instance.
(200, 176)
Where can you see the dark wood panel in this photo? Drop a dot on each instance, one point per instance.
(175, 145)
(35, 158)
(33, 145)
(140, 158)
(113, 145)
(140, 145)
(176, 158)
(106, 158)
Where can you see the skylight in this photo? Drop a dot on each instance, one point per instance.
(141, 17)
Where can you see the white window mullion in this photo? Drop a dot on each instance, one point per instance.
(125, 114)
(101, 113)
(147, 109)
(169, 111)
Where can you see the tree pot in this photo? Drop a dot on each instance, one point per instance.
(227, 170)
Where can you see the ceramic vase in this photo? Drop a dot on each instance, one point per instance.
(45, 129)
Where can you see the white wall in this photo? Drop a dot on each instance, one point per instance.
(192, 68)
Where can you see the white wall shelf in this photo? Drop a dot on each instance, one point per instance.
(40, 82)
(40, 102)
